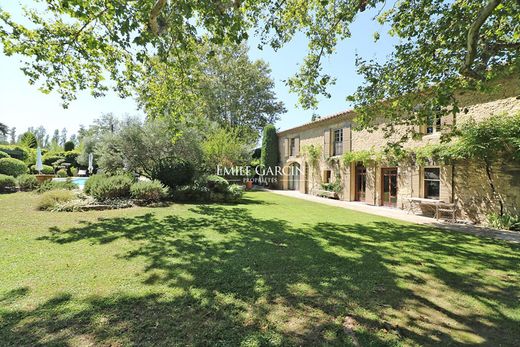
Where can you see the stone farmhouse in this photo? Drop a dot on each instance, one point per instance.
(462, 184)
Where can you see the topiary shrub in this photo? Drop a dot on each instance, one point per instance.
(46, 170)
(73, 171)
(51, 198)
(103, 187)
(16, 152)
(4, 155)
(62, 173)
(7, 184)
(51, 158)
(12, 167)
(148, 191)
(269, 155)
(217, 184)
(54, 185)
(27, 182)
(176, 174)
(69, 146)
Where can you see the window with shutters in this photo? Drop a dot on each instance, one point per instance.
(293, 149)
(338, 142)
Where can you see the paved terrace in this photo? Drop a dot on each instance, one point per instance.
(511, 236)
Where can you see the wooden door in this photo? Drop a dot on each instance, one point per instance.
(361, 183)
(389, 186)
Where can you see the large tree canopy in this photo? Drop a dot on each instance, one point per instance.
(225, 87)
(444, 44)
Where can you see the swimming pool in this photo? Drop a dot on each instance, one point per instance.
(79, 181)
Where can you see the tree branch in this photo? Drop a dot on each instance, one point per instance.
(473, 37)
(154, 14)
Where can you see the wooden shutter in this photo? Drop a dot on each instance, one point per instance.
(347, 139)
(447, 122)
(326, 143)
(286, 147)
(296, 146)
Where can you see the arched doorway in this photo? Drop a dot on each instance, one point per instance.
(294, 176)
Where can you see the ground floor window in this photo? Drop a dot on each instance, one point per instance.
(327, 174)
(432, 183)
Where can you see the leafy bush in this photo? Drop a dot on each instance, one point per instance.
(17, 152)
(148, 191)
(192, 193)
(175, 174)
(235, 192)
(46, 169)
(506, 221)
(73, 171)
(4, 155)
(27, 182)
(12, 167)
(217, 184)
(7, 183)
(103, 187)
(333, 186)
(56, 185)
(69, 146)
(62, 173)
(51, 198)
(226, 147)
(200, 192)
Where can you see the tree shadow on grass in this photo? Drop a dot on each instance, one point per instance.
(247, 280)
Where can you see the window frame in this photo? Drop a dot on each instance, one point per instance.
(426, 180)
(433, 124)
(337, 150)
(292, 146)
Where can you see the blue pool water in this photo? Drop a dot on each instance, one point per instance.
(79, 181)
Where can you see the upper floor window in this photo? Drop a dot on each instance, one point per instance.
(433, 124)
(432, 183)
(338, 142)
(293, 146)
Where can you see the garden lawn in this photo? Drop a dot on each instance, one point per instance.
(271, 270)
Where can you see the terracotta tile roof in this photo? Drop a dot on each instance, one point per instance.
(318, 121)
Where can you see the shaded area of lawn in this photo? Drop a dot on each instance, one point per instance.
(277, 271)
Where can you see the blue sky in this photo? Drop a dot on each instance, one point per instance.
(22, 105)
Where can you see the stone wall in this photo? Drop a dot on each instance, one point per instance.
(465, 183)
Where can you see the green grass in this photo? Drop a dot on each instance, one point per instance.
(270, 271)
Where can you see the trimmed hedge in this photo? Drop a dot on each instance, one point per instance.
(46, 169)
(69, 146)
(50, 158)
(12, 167)
(7, 183)
(27, 182)
(17, 152)
(4, 155)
